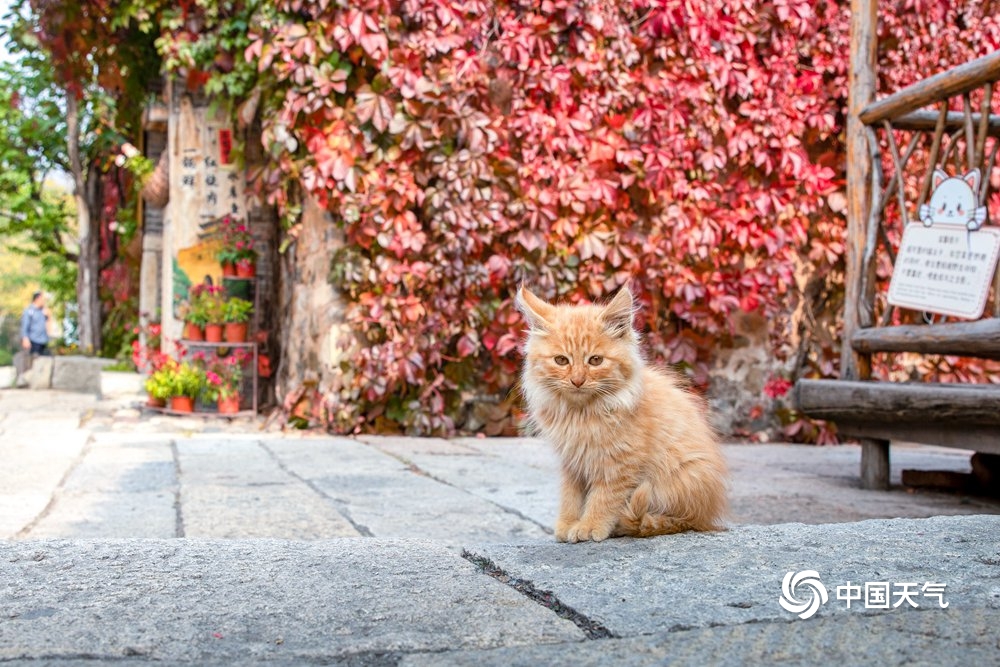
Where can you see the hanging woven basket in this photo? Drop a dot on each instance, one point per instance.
(156, 189)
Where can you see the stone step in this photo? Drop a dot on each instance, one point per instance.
(690, 598)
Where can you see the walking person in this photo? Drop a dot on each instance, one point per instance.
(34, 327)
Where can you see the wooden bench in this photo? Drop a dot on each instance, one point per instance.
(955, 415)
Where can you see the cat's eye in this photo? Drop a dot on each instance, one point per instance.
(595, 360)
(561, 360)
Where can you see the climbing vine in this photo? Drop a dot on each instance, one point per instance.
(467, 146)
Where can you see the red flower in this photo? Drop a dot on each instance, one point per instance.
(777, 387)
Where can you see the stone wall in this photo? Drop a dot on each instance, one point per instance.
(151, 264)
(180, 240)
(311, 309)
(736, 395)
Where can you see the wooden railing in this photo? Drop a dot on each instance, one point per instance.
(954, 134)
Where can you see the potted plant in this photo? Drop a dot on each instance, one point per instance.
(236, 254)
(202, 310)
(194, 321)
(186, 384)
(246, 267)
(160, 384)
(147, 355)
(209, 305)
(222, 382)
(227, 257)
(236, 315)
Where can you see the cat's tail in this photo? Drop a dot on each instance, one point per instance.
(642, 517)
(649, 525)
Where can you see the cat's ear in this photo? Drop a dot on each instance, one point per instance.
(940, 176)
(537, 312)
(617, 315)
(972, 179)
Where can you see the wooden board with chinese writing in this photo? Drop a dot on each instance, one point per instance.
(208, 186)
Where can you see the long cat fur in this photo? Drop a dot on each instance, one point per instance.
(638, 455)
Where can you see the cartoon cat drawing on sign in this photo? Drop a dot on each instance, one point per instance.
(953, 201)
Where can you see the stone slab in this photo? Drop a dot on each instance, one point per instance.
(137, 464)
(384, 497)
(121, 384)
(533, 452)
(959, 637)
(780, 483)
(770, 483)
(78, 374)
(505, 482)
(117, 487)
(695, 580)
(38, 446)
(280, 602)
(39, 376)
(235, 488)
(105, 514)
(403, 446)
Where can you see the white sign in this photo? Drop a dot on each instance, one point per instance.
(945, 269)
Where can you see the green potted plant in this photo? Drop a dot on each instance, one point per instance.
(209, 306)
(236, 314)
(186, 384)
(160, 384)
(194, 320)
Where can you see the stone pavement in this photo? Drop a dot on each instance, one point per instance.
(459, 565)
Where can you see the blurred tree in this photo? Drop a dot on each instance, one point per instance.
(37, 215)
(60, 115)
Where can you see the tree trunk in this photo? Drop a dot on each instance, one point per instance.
(88, 264)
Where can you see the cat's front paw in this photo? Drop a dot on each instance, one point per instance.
(584, 531)
(562, 529)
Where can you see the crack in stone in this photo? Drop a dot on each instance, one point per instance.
(591, 628)
(417, 470)
(339, 505)
(84, 451)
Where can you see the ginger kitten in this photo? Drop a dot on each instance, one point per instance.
(638, 455)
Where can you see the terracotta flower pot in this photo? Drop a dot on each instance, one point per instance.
(246, 269)
(156, 402)
(229, 406)
(182, 404)
(236, 332)
(228, 270)
(213, 333)
(193, 332)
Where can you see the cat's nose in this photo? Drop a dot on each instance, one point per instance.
(577, 382)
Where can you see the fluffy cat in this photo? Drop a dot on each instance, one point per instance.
(638, 455)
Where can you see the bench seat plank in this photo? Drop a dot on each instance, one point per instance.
(951, 415)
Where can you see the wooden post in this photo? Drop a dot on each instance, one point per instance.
(874, 464)
(861, 92)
